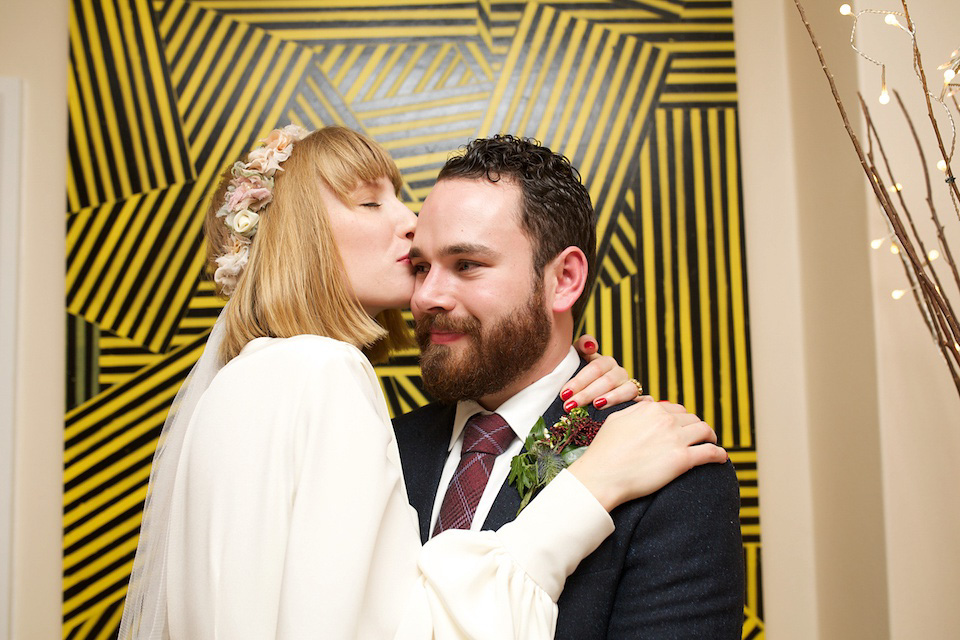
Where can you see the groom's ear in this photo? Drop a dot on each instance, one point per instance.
(564, 279)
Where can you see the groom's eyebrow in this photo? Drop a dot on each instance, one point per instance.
(458, 249)
(467, 248)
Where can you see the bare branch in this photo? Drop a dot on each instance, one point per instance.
(942, 240)
(872, 132)
(951, 180)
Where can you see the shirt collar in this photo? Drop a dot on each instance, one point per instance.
(523, 409)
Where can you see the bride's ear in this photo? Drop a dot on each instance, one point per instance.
(564, 279)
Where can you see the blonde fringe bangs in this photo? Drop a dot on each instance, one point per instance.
(345, 159)
(294, 282)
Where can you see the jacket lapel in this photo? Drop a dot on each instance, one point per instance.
(504, 508)
(423, 452)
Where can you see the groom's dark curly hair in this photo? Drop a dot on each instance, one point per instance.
(556, 212)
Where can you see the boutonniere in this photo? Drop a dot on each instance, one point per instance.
(550, 450)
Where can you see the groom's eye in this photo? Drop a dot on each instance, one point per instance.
(373, 205)
(421, 268)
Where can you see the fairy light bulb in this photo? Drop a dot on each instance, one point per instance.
(894, 249)
(942, 165)
(933, 255)
(949, 75)
(876, 244)
(845, 10)
(896, 294)
(891, 20)
(884, 96)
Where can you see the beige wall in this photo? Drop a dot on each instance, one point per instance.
(33, 47)
(776, 317)
(812, 332)
(857, 426)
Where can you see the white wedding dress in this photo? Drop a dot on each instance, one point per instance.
(289, 518)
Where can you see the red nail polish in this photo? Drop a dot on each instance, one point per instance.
(566, 394)
(600, 403)
(589, 345)
(569, 405)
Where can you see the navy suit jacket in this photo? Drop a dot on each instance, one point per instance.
(672, 569)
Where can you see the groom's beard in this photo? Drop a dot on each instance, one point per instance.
(490, 360)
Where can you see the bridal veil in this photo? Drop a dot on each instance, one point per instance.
(145, 608)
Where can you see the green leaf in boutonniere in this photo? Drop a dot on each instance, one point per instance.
(550, 450)
(570, 455)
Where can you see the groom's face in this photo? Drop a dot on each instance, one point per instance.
(480, 310)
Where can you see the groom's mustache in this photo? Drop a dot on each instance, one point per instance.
(445, 322)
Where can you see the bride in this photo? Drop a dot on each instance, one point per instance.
(277, 505)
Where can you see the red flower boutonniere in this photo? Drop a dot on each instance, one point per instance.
(550, 450)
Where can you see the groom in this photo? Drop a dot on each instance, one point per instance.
(504, 254)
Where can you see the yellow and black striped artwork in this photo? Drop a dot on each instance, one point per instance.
(164, 94)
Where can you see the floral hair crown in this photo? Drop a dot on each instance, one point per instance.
(249, 191)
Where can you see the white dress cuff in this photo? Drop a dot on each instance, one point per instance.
(558, 529)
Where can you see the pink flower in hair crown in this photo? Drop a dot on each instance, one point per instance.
(229, 267)
(247, 196)
(280, 139)
(266, 160)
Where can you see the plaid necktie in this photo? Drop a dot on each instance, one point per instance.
(484, 438)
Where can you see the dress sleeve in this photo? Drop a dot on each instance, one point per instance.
(505, 583)
(295, 522)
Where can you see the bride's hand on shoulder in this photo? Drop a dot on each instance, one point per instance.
(602, 382)
(642, 448)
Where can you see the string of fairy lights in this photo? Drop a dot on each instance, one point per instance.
(951, 85)
(951, 68)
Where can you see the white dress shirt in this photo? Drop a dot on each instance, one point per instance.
(521, 412)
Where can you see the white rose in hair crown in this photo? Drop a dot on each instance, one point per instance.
(243, 222)
(248, 193)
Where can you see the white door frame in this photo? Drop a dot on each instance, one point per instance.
(11, 155)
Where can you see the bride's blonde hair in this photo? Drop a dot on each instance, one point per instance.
(294, 282)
